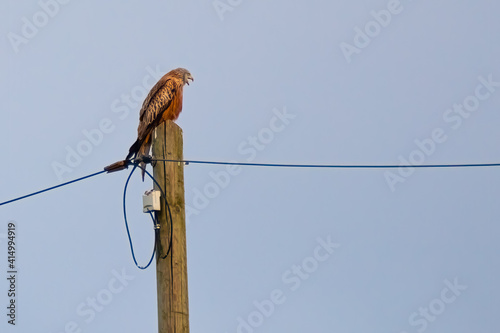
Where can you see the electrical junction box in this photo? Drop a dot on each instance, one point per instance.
(151, 201)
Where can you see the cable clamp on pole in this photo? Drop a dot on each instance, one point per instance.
(144, 158)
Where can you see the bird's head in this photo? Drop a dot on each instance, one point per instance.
(183, 74)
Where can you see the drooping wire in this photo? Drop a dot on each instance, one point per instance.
(53, 187)
(126, 223)
(157, 238)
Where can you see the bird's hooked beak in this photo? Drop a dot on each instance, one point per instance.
(189, 77)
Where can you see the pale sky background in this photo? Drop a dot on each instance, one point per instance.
(401, 246)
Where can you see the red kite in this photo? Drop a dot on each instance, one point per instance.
(164, 102)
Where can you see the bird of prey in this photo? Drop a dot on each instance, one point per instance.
(164, 102)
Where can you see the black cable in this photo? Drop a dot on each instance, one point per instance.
(157, 239)
(126, 224)
(381, 166)
(52, 188)
(331, 166)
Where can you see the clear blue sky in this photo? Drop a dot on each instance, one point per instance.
(269, 250)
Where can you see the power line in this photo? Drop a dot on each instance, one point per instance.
(275, 165)
(335, 166)
(52, 188)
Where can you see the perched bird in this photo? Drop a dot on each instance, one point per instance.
(164, 102)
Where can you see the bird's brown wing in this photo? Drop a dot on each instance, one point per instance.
(163, 97)
(158, 100)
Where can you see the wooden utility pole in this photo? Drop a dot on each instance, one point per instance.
(171, 272)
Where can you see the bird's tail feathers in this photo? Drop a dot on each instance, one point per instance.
(138, 149)
(134, 149)
(144, 151)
